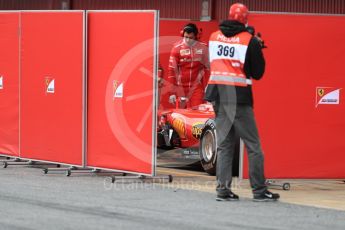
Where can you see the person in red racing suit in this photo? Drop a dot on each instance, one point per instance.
(188, 70)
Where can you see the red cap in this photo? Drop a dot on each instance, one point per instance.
(239, 12)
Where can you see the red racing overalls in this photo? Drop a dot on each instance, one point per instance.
(188, 71)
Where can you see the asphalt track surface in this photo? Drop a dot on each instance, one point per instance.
(31, 200)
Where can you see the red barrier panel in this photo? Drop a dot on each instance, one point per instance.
(52, 79)
(9, 83)
(304, 57)
(121, 70)
(302, 135)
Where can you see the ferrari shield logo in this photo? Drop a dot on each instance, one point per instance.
(115, 83)
(320, 92)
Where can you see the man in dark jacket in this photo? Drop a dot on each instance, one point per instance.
(236, 58)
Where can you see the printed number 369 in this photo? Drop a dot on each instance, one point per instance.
(226, 51)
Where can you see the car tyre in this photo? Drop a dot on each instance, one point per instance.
(208, 147)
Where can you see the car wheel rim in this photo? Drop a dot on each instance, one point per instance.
(208, 146)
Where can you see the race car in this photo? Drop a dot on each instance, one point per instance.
(193, 131)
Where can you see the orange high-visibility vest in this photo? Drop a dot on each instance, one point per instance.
(227, 56)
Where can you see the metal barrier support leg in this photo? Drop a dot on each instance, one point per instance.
(169, 178)
(19, 162)
(283, 185)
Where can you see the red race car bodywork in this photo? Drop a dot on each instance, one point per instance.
(187, 123)
(190, 129)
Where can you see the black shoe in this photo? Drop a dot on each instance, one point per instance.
(228, 197)
(266, 196)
